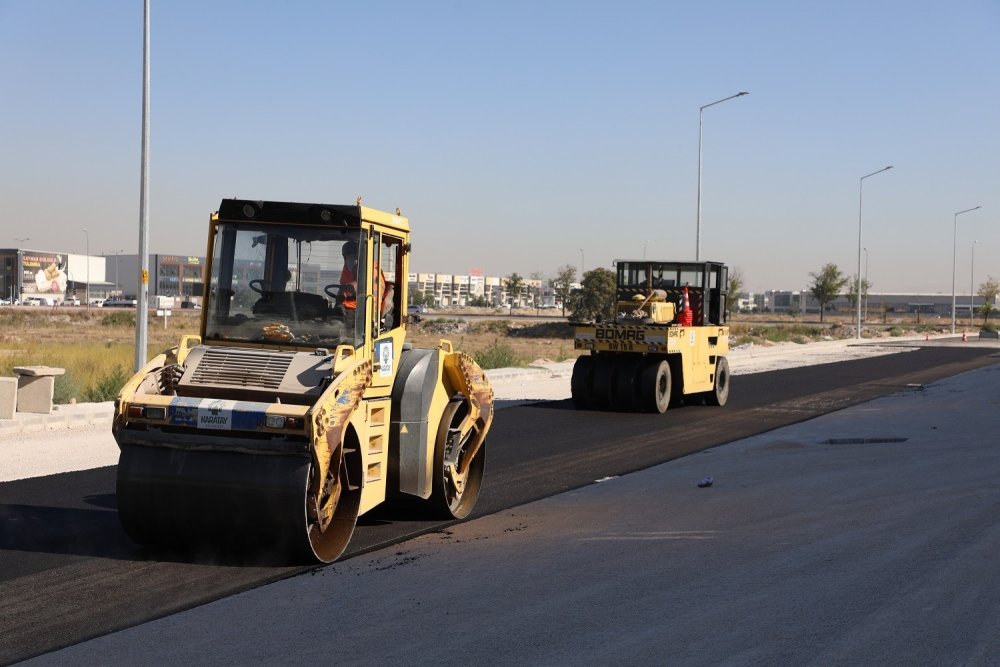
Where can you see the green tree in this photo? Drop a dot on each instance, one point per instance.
(852, 291)
(826, 286)
(596, 298)
(561, 284)
(735, 288)
(535, 288)
(988, 292)
(421, 298)
(515, 284)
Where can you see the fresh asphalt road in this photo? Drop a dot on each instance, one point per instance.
(68, 573)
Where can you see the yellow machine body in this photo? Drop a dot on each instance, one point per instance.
(299, 405)
(668, 341)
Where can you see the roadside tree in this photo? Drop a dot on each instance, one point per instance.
(988, 293)
(515, 283)
(561, 284)
(596, 298)
(535, 288)
(826, 286)
(852, 291)
(735, 287)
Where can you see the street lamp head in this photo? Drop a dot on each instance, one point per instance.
(742, 93)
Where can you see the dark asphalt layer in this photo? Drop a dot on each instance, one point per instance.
(68, 573)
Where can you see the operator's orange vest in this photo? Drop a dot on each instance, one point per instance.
(347, 278)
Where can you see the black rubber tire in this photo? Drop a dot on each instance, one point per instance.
(720, 392)
(654, 386)
(580, 382)
(602, 382)
(625, 395)
(444, 502)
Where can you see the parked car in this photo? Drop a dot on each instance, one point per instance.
(38, 301)
(415, 312)
(190, 305)
(119, 303)
(70, 301)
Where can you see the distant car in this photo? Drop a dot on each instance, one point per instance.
(190, 304)
(119, 303)
(70, 301)
(39, 301)
(415, 312)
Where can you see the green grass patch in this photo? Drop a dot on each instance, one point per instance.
(106, 387)
(740, 334)
(121, 318)
(497, 355)
(490, 327)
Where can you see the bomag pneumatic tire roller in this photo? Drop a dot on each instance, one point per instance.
(299, 406)
(667, 343)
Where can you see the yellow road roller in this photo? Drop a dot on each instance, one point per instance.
(667, 342)
(299, 405)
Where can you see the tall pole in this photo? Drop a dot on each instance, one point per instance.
(88, 268)
(954, 258)
(864, 283)
(20, 269)
(861, 185)
(117, 252)
(141, 325)
(972, 282)
(701, 113)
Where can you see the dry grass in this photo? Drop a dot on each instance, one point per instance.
(485, 340)
(96, 347)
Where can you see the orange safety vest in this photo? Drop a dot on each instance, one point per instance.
(347, 278)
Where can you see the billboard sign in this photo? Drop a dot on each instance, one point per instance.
(43, 274)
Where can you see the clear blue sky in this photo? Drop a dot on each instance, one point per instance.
(517, 134)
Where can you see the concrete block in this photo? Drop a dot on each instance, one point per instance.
(34, 388)
(8, 397)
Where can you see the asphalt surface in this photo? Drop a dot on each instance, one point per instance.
(69, 574)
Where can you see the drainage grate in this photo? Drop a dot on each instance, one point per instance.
(862, 441)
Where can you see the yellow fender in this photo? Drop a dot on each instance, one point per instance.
(330, 418)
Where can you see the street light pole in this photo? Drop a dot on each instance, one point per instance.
(861, 187)
(864, 284)
(972, 282)
(581, 263)
(87, 234)
(117, 252)
(701, 113)
(954, 258)
(20, 269)
(142, 300)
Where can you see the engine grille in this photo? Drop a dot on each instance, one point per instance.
(241, 368)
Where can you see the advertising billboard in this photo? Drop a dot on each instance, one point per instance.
(43, 274)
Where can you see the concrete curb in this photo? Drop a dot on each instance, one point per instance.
(74, 415)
